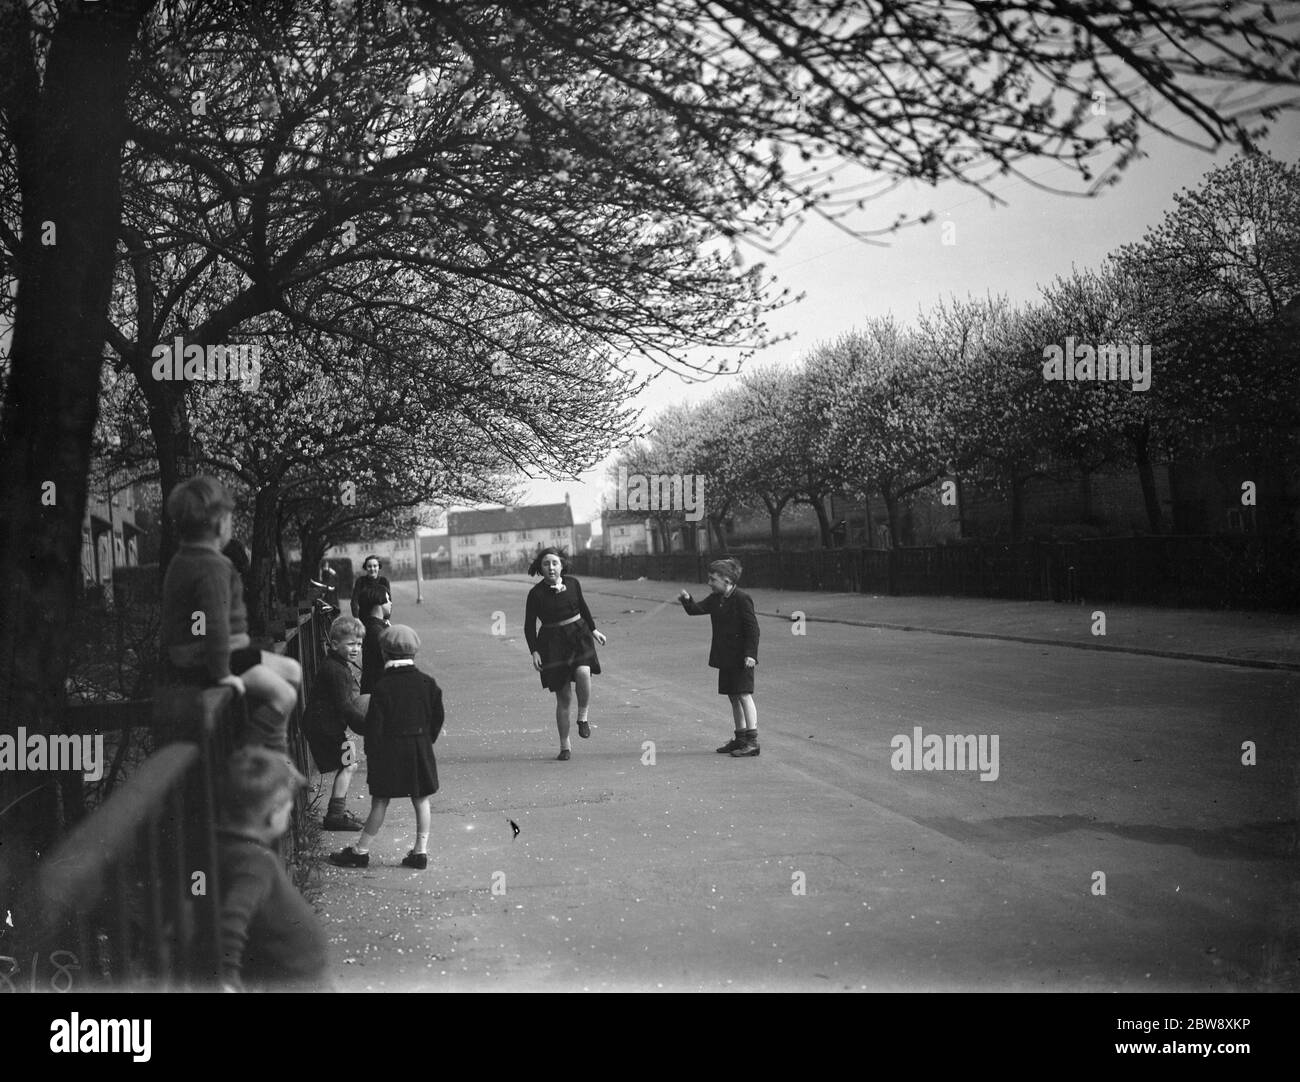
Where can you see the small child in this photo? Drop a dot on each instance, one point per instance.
(205, 624)
(335, 705)
(270, 937)
(734, 650)
(403, 721)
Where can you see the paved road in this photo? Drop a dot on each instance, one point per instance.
(683, 874)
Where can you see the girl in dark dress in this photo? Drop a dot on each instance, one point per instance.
(404, 720)
(563, 652)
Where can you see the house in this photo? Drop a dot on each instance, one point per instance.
(110, 533)
(624, 532)
(502, 537)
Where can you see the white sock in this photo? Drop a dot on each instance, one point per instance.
(582, 713)
(566, 745)
(363, 843)
(422, 842)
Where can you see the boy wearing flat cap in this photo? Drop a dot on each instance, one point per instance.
(404, 720)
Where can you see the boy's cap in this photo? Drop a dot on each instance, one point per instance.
(399, 641)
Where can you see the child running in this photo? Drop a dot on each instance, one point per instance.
(335, 705)
(734, 650)
(205, 624)
(404, 720)
(564, 652)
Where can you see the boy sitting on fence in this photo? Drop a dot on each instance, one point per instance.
(335, 705)
(205, 624)
(270, 937)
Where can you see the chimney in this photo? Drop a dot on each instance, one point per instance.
(566, 499)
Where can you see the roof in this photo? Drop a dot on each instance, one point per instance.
(610, 517)
(540, 516)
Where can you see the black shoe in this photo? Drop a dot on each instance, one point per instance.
(564, 755)
(731, 745)
(584, 730)
(416, 860)
(350, 858)
(748, 746)
(344, 821)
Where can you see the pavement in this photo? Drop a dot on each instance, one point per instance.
(1133, 826)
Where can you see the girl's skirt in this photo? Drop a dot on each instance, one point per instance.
(565, 649)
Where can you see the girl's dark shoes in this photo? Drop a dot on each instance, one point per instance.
(748, 746)
(350, 858)
(564, 755)
(584, 729)
(419, 861)
(731, 745)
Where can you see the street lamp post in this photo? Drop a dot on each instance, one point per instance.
(419, 576)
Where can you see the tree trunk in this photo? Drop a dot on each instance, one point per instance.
(818, 505)
(261, 574)
(169, 424)
(774, 518)
(68, 138)
(1017, 507)
(891, 512)
(312, 545)
(1146, 475)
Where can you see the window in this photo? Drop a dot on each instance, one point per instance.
(500, 537)
(525, 535)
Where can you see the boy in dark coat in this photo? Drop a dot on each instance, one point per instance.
(404, 720)
(335, 705)
(734, 651)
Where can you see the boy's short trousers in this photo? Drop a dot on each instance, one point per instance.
(736, 681)
(241, 661)
(327, 748)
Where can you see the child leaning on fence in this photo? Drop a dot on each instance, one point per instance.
(270, 937)
(205, 624)
(334, 706)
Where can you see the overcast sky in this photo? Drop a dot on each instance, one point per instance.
(1009, 249)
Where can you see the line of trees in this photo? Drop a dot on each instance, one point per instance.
(888, 410)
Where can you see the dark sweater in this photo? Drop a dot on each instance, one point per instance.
(735, 627)
(553, 607)
(335, 699)
(270, 938)
(200, 579)
(372, 655)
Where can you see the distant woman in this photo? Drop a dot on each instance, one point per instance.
(564, 651)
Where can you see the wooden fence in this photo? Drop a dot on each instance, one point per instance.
(1206, 571)
(132, 893)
